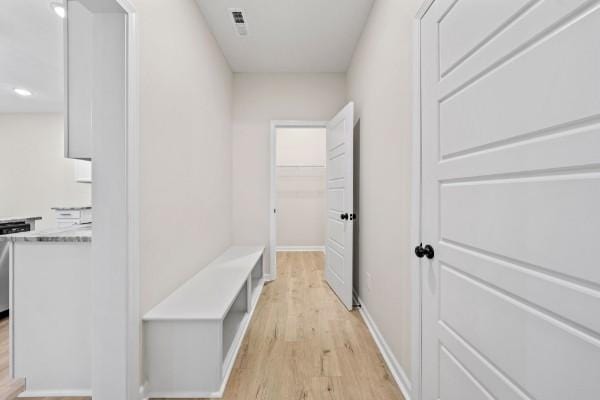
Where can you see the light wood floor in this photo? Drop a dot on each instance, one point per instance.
(302, 344)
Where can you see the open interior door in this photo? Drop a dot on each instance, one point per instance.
(340, 208)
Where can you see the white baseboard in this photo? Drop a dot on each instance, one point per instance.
(394, 366)
(185, 395)
(301, 248)
(56, 393)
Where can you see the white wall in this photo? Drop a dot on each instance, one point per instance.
(301, 183)
(185, 133)
(380, 83)
(34, 175)
(258, 99)
(301, 147)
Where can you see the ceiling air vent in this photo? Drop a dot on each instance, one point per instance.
(239, 21)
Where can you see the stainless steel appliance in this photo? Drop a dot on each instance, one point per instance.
(7, 228)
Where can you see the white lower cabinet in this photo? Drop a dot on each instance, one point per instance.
(51, 317)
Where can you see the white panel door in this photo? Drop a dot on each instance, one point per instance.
(340, 208)
(511, 199)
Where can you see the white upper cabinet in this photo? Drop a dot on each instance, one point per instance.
(79, 81)
(95, 70)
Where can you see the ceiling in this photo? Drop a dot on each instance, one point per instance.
(30, 56)
(283, 36)
(289, 35)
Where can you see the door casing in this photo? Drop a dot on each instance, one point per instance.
(415, 214)
(117, 325)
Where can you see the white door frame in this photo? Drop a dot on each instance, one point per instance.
(272, 273)
(118, 372)
(415, 219)
(134, 323)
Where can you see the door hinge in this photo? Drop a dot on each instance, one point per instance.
(352, 216)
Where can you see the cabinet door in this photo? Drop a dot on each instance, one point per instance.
(78, 32)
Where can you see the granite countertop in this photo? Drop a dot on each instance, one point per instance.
(6, 220)
(75, 233)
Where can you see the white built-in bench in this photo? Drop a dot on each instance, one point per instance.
(192, 337)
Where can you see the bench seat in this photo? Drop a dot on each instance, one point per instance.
(191, 338)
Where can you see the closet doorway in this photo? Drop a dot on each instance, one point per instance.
(312, 194)
(298, 187)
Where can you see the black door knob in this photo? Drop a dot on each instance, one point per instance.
(426, 251)
(344, 216)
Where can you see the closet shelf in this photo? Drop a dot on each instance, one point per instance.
(300, 166)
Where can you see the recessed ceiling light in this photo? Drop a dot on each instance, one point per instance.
(22, 92)
(59, 9)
